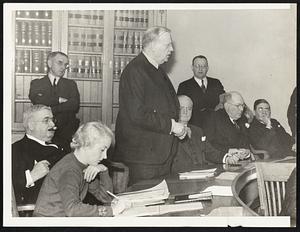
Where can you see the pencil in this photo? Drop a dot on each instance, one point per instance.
(113, 195)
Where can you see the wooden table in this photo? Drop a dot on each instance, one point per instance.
(178, 187)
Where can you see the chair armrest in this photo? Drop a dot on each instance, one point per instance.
(261, 154)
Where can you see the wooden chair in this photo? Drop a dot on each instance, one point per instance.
(259, 154)
(119, 173)
(271, 180)
(20, 210)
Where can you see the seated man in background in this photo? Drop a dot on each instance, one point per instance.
(226, 131)
(65, 186)
(32, 156)
(267, 134)
(192, 149)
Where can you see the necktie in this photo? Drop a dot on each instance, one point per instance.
(54, 83)
(203, 86)
(236, 125)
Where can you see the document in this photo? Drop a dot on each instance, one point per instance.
(197, 174)
(219, 190)
(227, 176)
(152, 195)
(160, 209)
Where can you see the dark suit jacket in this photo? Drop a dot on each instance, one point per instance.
(42, 92)
(276, 141)
(24, 153)
(201, 101)
(193, 152)
(148, 101)
(222, 134)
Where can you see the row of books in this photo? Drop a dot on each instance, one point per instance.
(33, 33)
(31, 61)
(127, 41)
(36, 14)
(85, 67)
(131, 18)
(90, 91)
(87, 40)
(119, 64)
(86, 17)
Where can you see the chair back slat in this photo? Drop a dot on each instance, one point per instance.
(271, 179)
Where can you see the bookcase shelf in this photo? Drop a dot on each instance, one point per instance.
(86, 26)
(34, 19)
(85, 53)
(30, 74)
(131, 28)
(32, 47)
(85, 79)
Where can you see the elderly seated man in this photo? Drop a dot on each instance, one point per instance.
(268, 134)
(192, 149)
(32, 156)
(226, 130)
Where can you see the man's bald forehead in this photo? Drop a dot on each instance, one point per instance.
(185, 100)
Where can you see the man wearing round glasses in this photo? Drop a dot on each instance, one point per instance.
(226, 130)
(61, 94)
(32, 156)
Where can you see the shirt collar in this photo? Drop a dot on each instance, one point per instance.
(151, 61)
(51, 77)
(40, 141)
(199, 81)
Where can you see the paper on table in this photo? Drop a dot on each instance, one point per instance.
(152, 195)
(219, 190)
(161, 209)
(195, 175)
(227, 176)
(201, 171)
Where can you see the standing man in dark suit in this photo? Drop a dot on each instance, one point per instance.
(32, 156)
(147, 130)
(61, 95)
(204, 91)
(227, 131)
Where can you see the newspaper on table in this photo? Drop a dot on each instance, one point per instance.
(154, 195)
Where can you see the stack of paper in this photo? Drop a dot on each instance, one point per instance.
(154, 195)
(161, 209)
(197, 174)
(202, 196)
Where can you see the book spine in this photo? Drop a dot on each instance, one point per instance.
(141, 40)
(19, 14)
(26, 61)
(118, 18)
(99, 41)
(125, 18)
(49, 34)
(136, 42)
(44, 39)
(98, 67)
(116, 67)
(71, 16)
(18, 33)
(136, 18)
(80, 67)
(93, 67)
(101, 18)
(29, 34)
(23, 33)
(83, 40)
(47, 14)
(18, 62)
(37, 34)
(94, 17)
(44, 63)
(122, 65)
(130, 42)
(36, 61)
(131, 18)
(146, 15)
(141, 22)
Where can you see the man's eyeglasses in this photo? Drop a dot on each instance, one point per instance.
(47, 120)
(240, 106)
(260, 109)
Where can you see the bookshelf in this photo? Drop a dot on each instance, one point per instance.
(99, 45)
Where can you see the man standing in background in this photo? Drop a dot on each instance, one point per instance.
(204, 91)
(147, 130)
(61, 95)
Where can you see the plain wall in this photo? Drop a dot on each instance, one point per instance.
(250, 51)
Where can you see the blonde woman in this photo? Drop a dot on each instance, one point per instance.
(66, 184)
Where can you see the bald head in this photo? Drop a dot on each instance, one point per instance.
(186, 108)
(234, 104)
